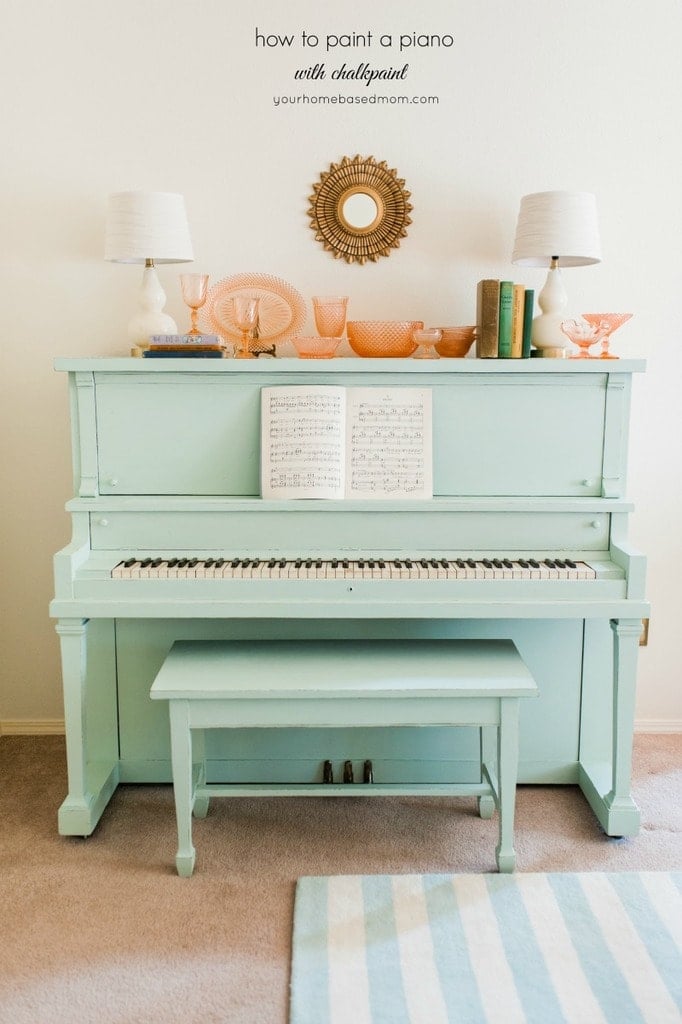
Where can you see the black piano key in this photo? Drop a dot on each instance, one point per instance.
(246, 562)
(497, 563)
(282, 563)
(397, 563)
(208, 562)
(381, 563)
(507, 563)
(318, 563)
(571, 564)
(361, 563)
(172, 562)
(424, 564)
(335, 563)
(533, 563)
(524, 563)
(128, 562)
(192, 562)
(156, 563)
(346, 563)
(308, 563)
(408, 563)
(487, 563)
(255, 562)
(434, 563)
(219, 563)
(298, 563)
(234, 564)
(145, 562)
(271, 563)
(550, 563)
(182, 562)
(444, 563)
(371, 563)
(560, 564)
(471, 563)
(460, 563)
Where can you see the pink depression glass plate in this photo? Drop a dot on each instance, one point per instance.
(281, 311)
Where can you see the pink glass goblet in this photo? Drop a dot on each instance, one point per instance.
(194, 290)
(245, 311)
(609, 322)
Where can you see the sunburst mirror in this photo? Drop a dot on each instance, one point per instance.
(359, 209)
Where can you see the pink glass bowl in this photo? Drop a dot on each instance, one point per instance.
(455, 341)
(314, 347)
(382, 339)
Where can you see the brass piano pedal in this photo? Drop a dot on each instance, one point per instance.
(348, 771)
(368, 772)
(327, 772)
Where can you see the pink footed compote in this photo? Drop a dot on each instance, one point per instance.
(583, 335)
(609, 322)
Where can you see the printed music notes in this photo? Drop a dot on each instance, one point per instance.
(334, 442)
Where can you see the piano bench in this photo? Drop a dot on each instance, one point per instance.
(358, 683)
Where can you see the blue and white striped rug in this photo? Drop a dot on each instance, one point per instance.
(482, 949)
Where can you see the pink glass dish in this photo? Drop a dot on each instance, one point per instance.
(455, 341)
(383, 339)
(609, 323)
(314, 347)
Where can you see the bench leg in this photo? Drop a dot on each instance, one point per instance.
(507, 766)
(488, 744)
(181, 755)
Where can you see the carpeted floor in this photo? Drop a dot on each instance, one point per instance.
(102, 930)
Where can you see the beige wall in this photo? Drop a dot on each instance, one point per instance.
(173, 95)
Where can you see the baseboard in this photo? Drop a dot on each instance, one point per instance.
(660, 725)
(32, 727)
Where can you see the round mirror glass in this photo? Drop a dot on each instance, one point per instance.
(360, 210)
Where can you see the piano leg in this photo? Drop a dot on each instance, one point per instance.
(91, 784)
(507, 767)
(623, 813)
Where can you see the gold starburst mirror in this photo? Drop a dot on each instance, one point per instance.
(359, 209)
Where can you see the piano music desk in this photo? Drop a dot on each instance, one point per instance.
(370, 683)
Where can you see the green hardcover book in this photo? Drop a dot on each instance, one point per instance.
(504, 334)
(487, 318)
(527, 322)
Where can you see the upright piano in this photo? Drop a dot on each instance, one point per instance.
(525, 538)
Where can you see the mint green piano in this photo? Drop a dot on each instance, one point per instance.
(526, 538)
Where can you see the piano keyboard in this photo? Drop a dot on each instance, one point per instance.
(349, 569)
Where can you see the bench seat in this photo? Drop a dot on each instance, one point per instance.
(359, 683)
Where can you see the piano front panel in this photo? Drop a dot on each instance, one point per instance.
(299, 529)
(549, 728)
(201, 435)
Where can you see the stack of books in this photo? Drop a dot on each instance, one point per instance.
(504, 315)
(184, 346)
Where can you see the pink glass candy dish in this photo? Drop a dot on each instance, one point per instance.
(455, 341)
(313, 347)
(583, 335)
(426, 338)
(609, 323)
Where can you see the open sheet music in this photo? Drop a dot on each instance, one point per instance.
(325, 441)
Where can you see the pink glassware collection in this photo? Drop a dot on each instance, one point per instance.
(592, 329)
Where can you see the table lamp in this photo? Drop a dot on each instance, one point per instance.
(148, 228)
(555, 229)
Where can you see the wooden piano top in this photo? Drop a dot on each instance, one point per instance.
(340, 367)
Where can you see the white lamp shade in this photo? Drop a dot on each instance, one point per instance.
(147, 226)
(557, 224)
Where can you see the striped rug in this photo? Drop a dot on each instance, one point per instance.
(482, 949)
